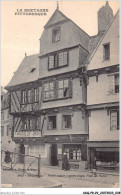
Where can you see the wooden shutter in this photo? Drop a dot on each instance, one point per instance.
(55, 89)
(70, 87)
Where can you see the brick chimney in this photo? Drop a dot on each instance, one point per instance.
(105, 16)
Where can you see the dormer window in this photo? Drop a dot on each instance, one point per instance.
(56, 35)
(33, 69)
(106, 51)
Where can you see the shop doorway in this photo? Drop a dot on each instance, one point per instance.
(54, 161)
(21, 152)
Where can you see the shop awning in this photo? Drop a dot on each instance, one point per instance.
(107, 149)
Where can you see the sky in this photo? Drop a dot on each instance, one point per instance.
(21, 34)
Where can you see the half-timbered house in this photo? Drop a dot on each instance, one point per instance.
(50, 92)
(25, 106)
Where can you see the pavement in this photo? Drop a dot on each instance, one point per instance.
(52, 177)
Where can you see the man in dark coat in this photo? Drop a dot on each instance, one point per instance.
(65, 162)
(94, 167)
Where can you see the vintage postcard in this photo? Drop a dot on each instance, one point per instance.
(60, 97)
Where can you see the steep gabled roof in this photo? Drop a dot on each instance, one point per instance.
(57, 16)
(28, 71)
(95, 42)
(72, 35)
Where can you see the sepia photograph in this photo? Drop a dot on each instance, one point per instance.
(60, 95)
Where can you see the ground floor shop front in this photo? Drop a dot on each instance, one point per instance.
(105, 153)
(51, 149)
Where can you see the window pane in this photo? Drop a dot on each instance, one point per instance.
(66, 92)
(51, 94)
(51, 61)
(28, 96)
(66, 83)
(60, 93)
(62, 58)
(46, 87)
(35, 95)
(60, 84)
(46, 95)
(51, 85)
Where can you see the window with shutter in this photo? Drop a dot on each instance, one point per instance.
(113, 84)
(114, 120)
(66, 122)
(63, 88)
(51, 122)
(106, 51)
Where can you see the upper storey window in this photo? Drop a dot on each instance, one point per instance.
(114, 120)
(57, 89)
(113, 83)
(58, 60)
(62, 58)
(56, 35)
(63, 88)
(48, 90)
(106, 51)
(30, 96)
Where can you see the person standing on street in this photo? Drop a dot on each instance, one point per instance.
(65, 162)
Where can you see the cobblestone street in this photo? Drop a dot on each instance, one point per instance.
(52, 176)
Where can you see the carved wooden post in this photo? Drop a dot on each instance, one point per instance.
(24, 164)
(39, 158)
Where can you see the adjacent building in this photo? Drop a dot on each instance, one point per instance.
(6, 123)
(103, 99)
